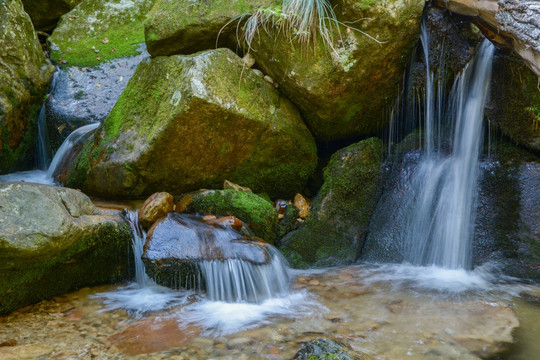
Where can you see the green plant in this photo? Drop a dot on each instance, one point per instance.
(301, 20)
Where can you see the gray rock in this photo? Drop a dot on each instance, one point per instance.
(323, 348)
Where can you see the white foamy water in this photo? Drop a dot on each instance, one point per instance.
(218, 318)
(31, 176)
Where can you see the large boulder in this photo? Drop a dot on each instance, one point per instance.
(54, 240)
(45, 13)
(253, 210)
(176, 244)
(346, 91)
(24, 79)
(190, 122)
(185, 27)
(334, 232)
(99, 30)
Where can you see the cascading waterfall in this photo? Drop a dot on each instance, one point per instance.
(43, 151)
(439, 232)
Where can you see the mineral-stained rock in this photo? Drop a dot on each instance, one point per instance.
(155, 207)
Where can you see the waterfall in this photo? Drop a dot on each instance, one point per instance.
(43, 151)
(439, 232)
(139, 238)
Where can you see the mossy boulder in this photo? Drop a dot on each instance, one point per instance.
(254, 211)
(54, 240)
(514, 105)
(334, 231)
(329, 349)
(45, 13)
(99, 30)
(345, 92)
(24, 79)
(185, 27)
(189, 122)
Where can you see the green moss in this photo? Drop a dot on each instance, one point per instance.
(257, 213)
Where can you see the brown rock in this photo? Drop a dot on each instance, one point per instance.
(23, 352)
(230, 221)
(155, 207)
(301, 204)
(228, 185)
(153, 334)
(10, 342)
(184, 202)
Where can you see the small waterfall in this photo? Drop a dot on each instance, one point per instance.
(65, 151)
(229, 279)
(43, 150)
(439, 232)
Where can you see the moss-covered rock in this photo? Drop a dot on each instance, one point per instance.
(24, 79)
(346, 92)
(334, 231)
(514, 105)
(54, 240)
(99, 30)
(45, 13)
(190, 122)
(329, 349)
(253, 210)
(185, 27)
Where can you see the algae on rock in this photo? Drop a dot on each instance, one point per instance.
(335, 230)
(189, 122)
(45, 13)
(24, 79)
(54, 240)
(99, 30)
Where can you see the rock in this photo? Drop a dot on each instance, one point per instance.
(514, 101)
(177, 243)
(509, 23)
(335, 230)
(228, 221)
(254, 211)
(166, 334)
(190, 122)
(182, 204)
(99, 30)
(81, 96)
(345, 92)
(25, 352)
(156, 206)
(185, 27)
(280, 206)
(289, 221)
(24, 79)
(248, 60)
(55, 240)
(227, 185)
(302, 205)
(258, 72)
(45, 14)
(324, 348)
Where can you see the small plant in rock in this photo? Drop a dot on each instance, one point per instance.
(302, 20)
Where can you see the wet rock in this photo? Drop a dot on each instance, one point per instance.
(25, 352)
(55, 240)
(156, 206)
(80, 96)
(45, 14)
(99, 30)
(166, 334)
(177, 243)
(303, 207)
(228, 185)
(248, 60)
(183, 27)
(289, 221)
(345, 91)
(324, 348)
(254, 211)
(335, 230)
(24, 79)
(228, 221)
(211, 121)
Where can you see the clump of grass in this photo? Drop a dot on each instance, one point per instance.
(302, 20)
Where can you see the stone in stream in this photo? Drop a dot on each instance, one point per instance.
(46, 13)
(99, 30)
(189, 122)
(54, 240)
(156, 206)
(177, 243)
(335, 229)
(324, 348)
(24, 78)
